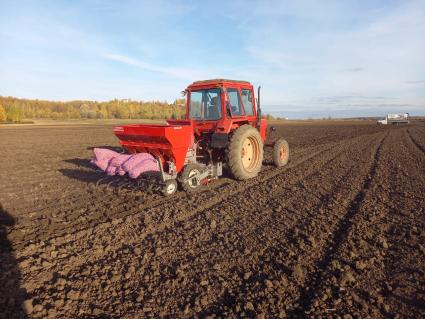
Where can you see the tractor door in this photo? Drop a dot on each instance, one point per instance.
(247, 98)
(234, 107)
(240, 105)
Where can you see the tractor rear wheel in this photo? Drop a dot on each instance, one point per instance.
(280, 152)
(187, 177)
(245, 153)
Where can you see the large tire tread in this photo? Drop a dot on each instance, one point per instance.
(276, 152)
(233, 152)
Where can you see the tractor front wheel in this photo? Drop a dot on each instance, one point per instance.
(188, 177)
(280, 152)
(245, 153)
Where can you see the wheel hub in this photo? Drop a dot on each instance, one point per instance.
(282, 153)
(249, 153)
(192, 180)
(171, 188)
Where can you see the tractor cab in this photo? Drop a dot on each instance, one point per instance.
(221, 105)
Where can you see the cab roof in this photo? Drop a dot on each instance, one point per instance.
(218, 82)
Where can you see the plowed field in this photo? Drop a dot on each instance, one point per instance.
(338, 232)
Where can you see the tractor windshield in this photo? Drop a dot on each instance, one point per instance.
(205, 104)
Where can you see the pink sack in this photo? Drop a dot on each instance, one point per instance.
(120, 171)
(119, 160)
(111, 170)
(135, 160)
(100, 164)
(102, 157)
(103, 153)
(148, 165)
(115, 164)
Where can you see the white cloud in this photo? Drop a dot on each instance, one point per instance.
(180, 73)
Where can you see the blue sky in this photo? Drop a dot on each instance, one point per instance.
(312, 58)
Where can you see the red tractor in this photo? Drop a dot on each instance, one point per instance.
(222, 126)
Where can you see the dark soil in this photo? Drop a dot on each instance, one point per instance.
(338, 232)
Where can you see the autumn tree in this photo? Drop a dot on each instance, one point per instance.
(123, 112)
(13, 113)
(16, 109)
(3, 116)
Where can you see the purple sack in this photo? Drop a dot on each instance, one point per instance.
(103, 153)
(103, 164)
(148, 165)
(115, 164)
(102, 157)
(135, 160)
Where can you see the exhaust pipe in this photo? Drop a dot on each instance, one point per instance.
(258, 107)
(258, 102)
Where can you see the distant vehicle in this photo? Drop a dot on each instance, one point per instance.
(395, 119)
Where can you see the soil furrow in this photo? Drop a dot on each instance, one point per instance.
(360, 278)
(415, 142)
(312, 286)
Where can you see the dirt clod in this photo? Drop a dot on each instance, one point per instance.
(38, 308)
(298, 273)
(213, 224)
(347, 278)
(249, 306)
(269, 284)
(28, 306)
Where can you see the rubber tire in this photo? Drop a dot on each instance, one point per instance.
(165, 189)
(276, 152)
(234, 149)
(185, 175)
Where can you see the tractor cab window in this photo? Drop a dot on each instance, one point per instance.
(235, 102)
(247, 101)
(205, 104)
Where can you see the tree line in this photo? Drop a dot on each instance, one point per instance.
(15, 109)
